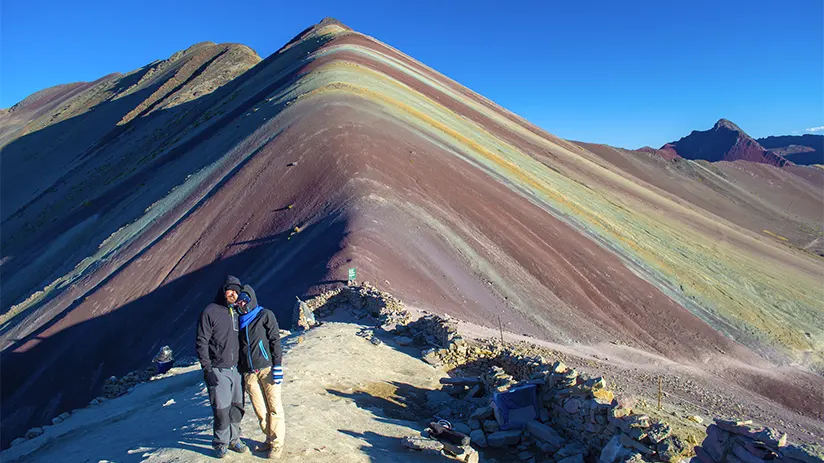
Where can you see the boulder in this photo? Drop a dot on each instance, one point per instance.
(630, 443)
(658, 432)
(65, 415)
(671, 448)
(545, 434)
(431, 356)
(473, 391)
(478, 438)
(559, 367)
(637, 433)
(635, 421)
(603, 396)
(570, 450)
(422, 443)
(805, 453)
(482, 413)
(572, 405)
(57, 420)
(474, 424)
(461, 428)
(613, 452)
(596, 383)
(743, 454)
(766, 435)
(525, 455)
(34, 432)
(491, 426)
(702, 455)
(503, 438)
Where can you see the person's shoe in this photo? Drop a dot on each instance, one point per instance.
(220, 451)
(275, 452)
(238, 446)
(263, 447)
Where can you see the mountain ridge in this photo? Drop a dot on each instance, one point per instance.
(725, 141)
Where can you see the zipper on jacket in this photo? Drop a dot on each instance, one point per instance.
(263, 350)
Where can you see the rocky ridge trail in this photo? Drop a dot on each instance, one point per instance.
(345, 400)
(368, 383)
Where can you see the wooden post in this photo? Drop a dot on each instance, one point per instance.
(659, 392)
(501, 327)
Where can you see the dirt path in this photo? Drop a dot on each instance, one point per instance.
(345, 401)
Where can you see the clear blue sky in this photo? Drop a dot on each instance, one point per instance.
(625, 73)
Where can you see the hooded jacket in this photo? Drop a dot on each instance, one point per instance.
(217, 332)
(259, 339)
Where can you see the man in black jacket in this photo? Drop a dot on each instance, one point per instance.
(217, 349)
(260, 364)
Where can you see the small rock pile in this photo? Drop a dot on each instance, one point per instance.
(116, 387)
(745, 442)
(363, 300)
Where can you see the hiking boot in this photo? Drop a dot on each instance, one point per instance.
(238, 446)
(275, 452)
(220, 451)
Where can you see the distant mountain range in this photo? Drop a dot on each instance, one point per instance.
(725, 141)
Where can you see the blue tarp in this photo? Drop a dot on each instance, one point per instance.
(515, 407)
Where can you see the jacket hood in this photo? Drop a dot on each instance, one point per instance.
(248, 289)
(220, 298)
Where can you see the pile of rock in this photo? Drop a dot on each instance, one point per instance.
(434, 330)
(745, 442)
(116, 387)
(578, 419)
(363, 300)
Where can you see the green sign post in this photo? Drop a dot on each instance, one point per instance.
(352, 275)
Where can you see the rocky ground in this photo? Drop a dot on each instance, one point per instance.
(369, 380)
(346, 400)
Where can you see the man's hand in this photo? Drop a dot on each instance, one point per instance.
(210, 377)
(277, 374)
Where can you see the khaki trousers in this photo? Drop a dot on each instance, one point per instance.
(266, 401)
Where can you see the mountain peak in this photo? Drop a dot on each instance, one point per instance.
(727, 124)
(724, 142)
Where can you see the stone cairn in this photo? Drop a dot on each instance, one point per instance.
(745, 442)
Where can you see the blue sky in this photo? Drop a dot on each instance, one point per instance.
(624, 73)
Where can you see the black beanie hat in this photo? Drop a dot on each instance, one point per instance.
(233, 286)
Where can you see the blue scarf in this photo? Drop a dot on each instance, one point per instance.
(247, 318)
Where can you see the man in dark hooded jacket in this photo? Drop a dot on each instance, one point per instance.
(260, 364)
(217, 349)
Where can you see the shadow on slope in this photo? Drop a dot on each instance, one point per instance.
(65, 370)
(79, 210)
